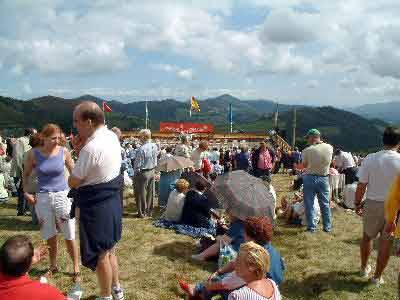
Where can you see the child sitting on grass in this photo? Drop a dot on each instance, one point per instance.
(294, 212)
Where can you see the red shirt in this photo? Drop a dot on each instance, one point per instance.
(23, 288)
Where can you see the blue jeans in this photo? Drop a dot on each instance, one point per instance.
(319, 186)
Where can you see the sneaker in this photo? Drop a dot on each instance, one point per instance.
(117, 293)
(365, 273)
(377, 281)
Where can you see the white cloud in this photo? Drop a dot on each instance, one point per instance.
(338, 39)
(180, 72)
(287, 26)
(186, 74)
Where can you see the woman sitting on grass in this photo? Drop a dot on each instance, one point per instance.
(196, 210)
(258, 230)
(176, 200)
(252, 263)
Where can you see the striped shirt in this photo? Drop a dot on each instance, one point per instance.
(246, 293)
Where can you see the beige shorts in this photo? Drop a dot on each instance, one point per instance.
(374, 219)
(52, 210)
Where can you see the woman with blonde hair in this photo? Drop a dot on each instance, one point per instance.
(252, 264)
(51, 202)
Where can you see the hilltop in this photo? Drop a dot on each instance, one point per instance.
(339, 127)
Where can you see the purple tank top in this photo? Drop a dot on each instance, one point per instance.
(50, 172)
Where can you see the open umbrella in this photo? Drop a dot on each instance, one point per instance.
(174, 163)
(244, 195)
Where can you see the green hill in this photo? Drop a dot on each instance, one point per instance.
(339, 127)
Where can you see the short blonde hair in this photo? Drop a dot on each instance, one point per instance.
(256, 258)
(182, 185)
(145, 133)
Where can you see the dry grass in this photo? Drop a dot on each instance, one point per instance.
(319, 266)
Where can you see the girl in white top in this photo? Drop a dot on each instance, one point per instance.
(251, 265)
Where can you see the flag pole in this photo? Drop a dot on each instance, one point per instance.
(231, 117)
(104, 112)
(147, 116)
(190, 107)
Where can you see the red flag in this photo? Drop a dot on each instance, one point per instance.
(106, 108)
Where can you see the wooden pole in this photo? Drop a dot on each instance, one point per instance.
(294, 127)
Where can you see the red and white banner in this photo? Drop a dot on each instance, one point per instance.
(186, 127)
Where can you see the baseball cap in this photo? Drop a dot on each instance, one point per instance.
(313, 132)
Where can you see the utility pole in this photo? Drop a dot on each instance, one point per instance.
(276, 117)
(294, 128)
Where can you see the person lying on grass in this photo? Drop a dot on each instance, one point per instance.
(258, 230)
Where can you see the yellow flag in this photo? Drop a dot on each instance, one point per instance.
(194, 104)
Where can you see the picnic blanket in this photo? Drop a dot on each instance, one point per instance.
(194, 232)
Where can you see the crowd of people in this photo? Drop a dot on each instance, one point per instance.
(65, 181)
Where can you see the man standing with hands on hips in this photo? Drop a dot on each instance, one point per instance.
(96, 182)
(317, 159)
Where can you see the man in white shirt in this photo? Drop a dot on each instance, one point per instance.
(97, 168)
(377, 172)
(346, 165)
(317, 158)
(145, 163)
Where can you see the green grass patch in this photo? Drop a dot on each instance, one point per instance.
(319, 266)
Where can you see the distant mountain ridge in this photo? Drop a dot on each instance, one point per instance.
(387, 111)
(339, 127)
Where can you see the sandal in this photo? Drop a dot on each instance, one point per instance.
(76, 277)
(51, 271)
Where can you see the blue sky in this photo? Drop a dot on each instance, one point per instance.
(342, 52)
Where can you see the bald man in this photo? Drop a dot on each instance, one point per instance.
(96, 184)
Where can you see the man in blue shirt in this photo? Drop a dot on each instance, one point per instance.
(145, 163)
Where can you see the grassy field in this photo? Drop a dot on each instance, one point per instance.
(319, 266)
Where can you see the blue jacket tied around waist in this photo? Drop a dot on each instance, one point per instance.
(100, 218)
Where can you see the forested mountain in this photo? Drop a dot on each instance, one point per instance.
(339, 127)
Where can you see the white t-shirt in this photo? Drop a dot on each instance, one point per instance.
(379, 170)
(175, 204)
(99, 160)
(349, 195)
(318, 158)
(344, 160)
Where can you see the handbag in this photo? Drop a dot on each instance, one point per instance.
(226, 254)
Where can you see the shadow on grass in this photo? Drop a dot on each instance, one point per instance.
(312, 287)
(9, 205)
(36, 273)
(180, 251)
(17, 224)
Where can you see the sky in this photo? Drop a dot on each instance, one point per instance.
(325, 52)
